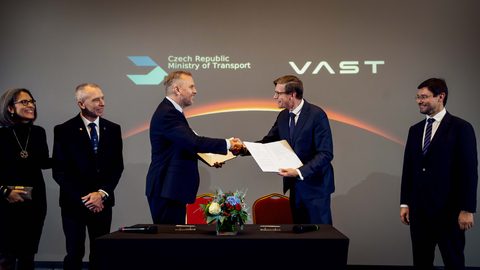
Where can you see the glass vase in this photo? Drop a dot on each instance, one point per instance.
(228, 227)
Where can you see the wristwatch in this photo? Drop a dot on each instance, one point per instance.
(104, 196)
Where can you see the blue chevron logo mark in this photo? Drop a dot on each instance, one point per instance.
(154, 77)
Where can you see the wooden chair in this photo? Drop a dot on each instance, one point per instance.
(194, 213)
(272, 209)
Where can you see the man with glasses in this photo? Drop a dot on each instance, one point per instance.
(306, 128)
(439, 180)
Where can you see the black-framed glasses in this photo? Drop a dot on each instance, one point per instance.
(422, 98)
(26, 102)
(279, 93)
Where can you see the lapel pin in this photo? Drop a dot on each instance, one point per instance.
(81, 129)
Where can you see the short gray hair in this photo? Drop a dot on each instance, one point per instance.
(80, 94)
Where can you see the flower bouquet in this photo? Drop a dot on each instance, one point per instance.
(227, 211)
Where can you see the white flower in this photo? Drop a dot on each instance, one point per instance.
(214, 208)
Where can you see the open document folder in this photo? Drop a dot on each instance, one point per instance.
(211, 158)
(273, 156)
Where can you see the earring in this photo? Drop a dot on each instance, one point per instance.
(11, 115)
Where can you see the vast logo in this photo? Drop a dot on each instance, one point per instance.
(155, 76)
(346, 67)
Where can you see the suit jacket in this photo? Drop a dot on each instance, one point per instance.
(78, 170)
(446, 178)
(312, 142)
(173, 172)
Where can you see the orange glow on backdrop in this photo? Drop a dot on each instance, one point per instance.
(263, 105)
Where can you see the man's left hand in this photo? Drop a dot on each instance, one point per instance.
(465, 220)
(94, 202)
(288, 172)
(218, 164)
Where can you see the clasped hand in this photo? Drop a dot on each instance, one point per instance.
(93, 201)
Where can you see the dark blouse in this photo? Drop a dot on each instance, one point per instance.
(21, 223)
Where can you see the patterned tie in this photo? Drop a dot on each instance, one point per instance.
(93, 136)
(292, 124)
(428, 135)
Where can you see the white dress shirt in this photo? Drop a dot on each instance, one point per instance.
(297, 112)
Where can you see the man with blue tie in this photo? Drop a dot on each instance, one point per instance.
(306, 128)
(88, 163)
(439, 180)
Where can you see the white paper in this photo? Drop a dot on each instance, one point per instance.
(273, 156)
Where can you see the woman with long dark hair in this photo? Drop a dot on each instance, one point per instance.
(23, 155)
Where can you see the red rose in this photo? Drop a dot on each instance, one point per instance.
(238, 207)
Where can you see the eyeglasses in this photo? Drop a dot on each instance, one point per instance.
(26, 102)
(279, 93)
(422, 98)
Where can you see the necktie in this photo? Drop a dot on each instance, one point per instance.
(93, 136)
(428, 136)
(292, 124)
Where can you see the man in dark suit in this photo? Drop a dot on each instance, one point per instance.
(307, 130)
(439, 180)
(173, 178)
(88, 163)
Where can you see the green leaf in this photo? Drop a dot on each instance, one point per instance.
(209, 219)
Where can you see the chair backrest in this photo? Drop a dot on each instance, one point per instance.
(273, 208)
(194, 213)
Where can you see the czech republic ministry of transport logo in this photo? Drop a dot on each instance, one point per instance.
(154, 77)
(186, 62)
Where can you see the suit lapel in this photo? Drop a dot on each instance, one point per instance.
(444, 125)
(302, 119)
(282, 123)
(103, 134)
(82, 134)
(170, 106)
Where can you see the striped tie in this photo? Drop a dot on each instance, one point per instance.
(428, 135)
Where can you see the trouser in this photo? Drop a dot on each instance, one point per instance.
(166, 211)
(310, 211)
(443, 230)
(74, 228)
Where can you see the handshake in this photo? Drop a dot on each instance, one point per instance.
(237, 147)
